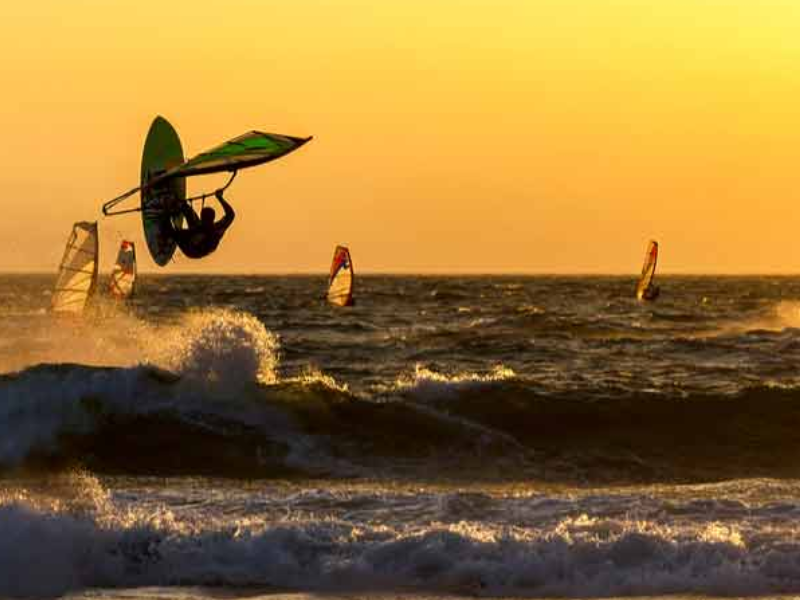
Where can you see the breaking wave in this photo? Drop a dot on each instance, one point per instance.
(209, 421)
(52, 547)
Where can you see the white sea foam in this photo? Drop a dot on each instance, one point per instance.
(52, 549)
(425, 383)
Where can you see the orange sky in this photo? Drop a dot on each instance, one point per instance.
(450, 135)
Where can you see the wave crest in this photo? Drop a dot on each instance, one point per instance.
(426, 383)
(220, 346)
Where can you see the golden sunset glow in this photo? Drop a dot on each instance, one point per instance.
(449, 136)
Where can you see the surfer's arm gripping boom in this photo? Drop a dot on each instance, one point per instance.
(230, 214)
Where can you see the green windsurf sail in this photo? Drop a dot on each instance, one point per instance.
(248, 150)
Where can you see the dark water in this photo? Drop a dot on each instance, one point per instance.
(521, 436)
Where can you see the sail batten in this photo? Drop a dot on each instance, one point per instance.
(340, 281)
(77, 273)
(72, 270)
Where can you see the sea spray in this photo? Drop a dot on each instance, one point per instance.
(222, 347)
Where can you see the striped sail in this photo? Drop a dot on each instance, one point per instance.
(77, 273)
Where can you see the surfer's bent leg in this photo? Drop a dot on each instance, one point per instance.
(191, 217)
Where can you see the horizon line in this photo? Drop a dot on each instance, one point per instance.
(404, 273)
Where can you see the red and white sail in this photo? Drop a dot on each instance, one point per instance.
(648, 270)
(340, 282)
(123, 276)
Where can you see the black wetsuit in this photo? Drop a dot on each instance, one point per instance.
(199, 240)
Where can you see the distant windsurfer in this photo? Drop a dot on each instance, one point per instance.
(646, 289)
(203, 234)
(651, 293)
(340, 283)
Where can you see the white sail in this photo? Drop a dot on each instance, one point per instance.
(648, 270)
(77, 274)
(123, 276)
(340, 282)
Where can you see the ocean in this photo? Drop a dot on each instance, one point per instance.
(492, 436)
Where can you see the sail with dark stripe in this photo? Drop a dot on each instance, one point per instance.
(77, 273)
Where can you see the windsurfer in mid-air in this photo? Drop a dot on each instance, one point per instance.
(162, 188)
(203, 234)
